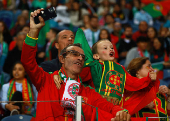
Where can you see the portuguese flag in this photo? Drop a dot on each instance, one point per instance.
(156, 9)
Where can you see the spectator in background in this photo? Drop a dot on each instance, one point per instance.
(125, 7)
(15, 54)
(63, 16)
(39, 4)
(117, 33)
(125, 44)
(143, 16)
(3, 51)
(136, 6)
(109, 22)
(104, 34)
(23, 5)
(165, 33)
(143, 27)
(139, 51)
(5, 32)
(90, 6)
(86, 21)
(49, 51)
(21, 21)
(104, 8)
(118, 15)
(158, 54)
(18, 89)
(77, 13)
(24, 29)
(152, 33)
(92, 33)
(25, 13)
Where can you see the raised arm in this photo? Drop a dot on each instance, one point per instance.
(134, 83)
(36, 74)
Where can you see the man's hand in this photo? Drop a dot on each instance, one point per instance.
(35, 28)
(121, 116)
(57, 81)
(164, 89)
(152, 75)
(151, 105)
(11, 107)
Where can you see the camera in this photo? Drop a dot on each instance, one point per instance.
(46, 15)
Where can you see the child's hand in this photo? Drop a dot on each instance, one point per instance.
(57, 81)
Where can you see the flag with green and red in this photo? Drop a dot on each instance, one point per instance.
(156, 8)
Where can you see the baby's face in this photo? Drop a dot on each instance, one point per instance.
(105, 51)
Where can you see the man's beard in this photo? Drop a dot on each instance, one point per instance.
(129, 36)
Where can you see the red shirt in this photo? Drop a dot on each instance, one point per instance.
(138, 34)
(47, 91)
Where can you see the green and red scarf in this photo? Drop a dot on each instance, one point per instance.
(71, 90)
(158, 111)
(112, 81)
(27, 94)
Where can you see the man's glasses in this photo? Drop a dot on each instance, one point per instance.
(75, 54)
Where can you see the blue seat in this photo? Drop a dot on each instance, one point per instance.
(17, 118)
(7, 17)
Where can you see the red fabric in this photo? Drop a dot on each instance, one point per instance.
(115, 39)
(163, 5)
(138, 34)
(101, 115)
(168, 112)
(140, 98)
(86, 76)
(12, 45)
(47, 91)
(138, 119)
(116, 52)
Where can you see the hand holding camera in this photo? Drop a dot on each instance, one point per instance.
(37, 20)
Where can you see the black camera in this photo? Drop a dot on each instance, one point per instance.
(46, 14)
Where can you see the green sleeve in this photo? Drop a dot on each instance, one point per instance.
(30, 41)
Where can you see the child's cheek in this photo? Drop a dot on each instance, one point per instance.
(103, 52)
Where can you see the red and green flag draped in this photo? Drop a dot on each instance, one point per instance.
(155, 8)
(158, 111)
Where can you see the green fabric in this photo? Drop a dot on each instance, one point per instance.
(39, 4)
(112, 83)
(146, 118)
(47, 54)
(161, 108)
(97, 114)
(42, 35)
(2, 81)
(5, 48)
(31, 42)
(80, 38)
(158, 66)
(152, 11)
